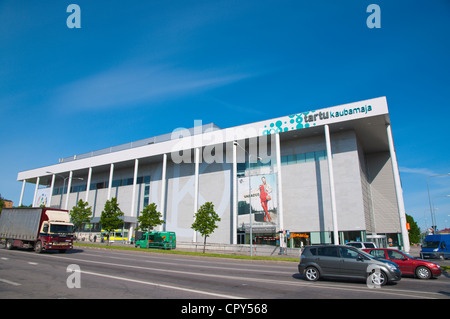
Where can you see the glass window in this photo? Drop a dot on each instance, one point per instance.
(127, 181)
(320, 155)
(348, 253)
(300, 158)
(394, 254)
(430, 244)
(291, 159)
(309, 157)
(327, 251)
(377, 253)
(117, 183)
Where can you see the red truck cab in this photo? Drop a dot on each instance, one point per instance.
(56, 232)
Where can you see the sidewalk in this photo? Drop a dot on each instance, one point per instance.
(226, 249)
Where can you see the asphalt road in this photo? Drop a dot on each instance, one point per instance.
(90, 273)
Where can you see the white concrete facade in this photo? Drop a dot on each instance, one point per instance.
(333, 176)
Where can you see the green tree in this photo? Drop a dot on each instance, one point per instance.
(2, 202)
(80, 214)
(414, 231)
(110, 217)
(149, 218)
(205, 221)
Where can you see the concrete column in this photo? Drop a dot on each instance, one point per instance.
(162, 205)
(88, 185)
(51, 190)
(398, 191)
(22, 192)
(69, 185)
(332, 189)
(280, 190)
(197, 167)
(35, 192)
(111, 174)
(133, 195)
(235, 195)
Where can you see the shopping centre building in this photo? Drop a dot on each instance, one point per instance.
(323, 176)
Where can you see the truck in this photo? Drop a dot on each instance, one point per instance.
(40, 228)
(156, 239)
(436, 246)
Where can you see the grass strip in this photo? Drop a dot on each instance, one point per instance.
(189, 253)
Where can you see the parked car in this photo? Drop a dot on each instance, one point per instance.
(420, 268)
(344, 262)
(436, 246)
(361, 244)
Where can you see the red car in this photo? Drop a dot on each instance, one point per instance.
(408, 265)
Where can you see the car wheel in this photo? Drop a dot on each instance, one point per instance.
(312, 274)
(378, 278)
(423, 272)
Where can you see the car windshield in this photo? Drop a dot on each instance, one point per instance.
(430, 244)
(58, 228)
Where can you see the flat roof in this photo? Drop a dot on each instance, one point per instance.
(367, 118)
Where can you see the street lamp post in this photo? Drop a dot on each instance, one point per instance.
(433, 219)
(250, 196)
(434, 208)
(64, 185)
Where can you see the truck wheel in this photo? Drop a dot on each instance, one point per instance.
(38, 247)
(9, 244)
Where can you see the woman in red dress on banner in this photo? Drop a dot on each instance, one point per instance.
(264, 190)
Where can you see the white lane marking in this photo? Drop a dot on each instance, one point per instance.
(162, 285)
(202, 266)
(32, 263)
(9, 282)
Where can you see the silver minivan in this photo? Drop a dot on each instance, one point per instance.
(345, 262)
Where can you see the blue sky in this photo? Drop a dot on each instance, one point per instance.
(137, 69)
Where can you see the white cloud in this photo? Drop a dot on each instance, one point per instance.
(421, 171)
(127, 86)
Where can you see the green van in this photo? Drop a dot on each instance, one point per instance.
(157, 239)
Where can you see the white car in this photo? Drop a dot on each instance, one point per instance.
(361, 244)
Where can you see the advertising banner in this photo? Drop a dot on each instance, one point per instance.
(259, 192)
(42, 197)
